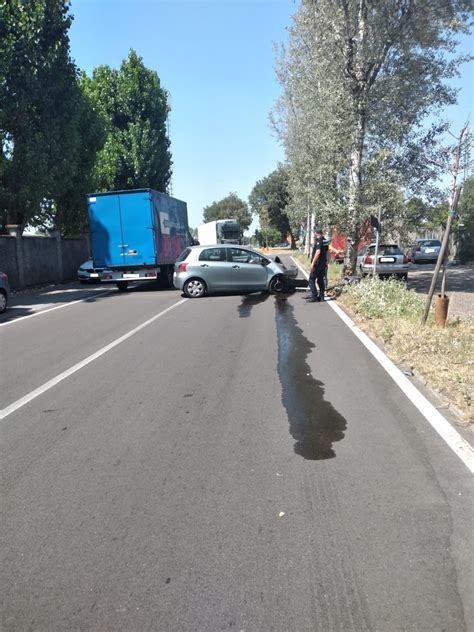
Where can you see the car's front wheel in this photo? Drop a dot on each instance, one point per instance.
(3, 301)
(194, 288)
(278, 285)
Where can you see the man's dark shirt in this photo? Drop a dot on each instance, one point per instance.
(322, 245)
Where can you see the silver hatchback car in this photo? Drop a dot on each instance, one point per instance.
(203, 270)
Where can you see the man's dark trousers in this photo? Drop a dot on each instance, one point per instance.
(317, 275)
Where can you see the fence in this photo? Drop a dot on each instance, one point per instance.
(36, 260)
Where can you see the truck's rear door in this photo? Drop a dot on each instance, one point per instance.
(105, 230)
(137, 228)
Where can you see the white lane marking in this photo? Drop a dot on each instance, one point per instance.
(51, 309)
(65, 374)
(442, 426)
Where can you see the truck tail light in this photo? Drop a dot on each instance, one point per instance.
(151, 275)
(106, 277)
(405, 259)
(182, 266)
(368, 259)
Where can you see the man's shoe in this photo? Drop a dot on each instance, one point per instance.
(312, 300)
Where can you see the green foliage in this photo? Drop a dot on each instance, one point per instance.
(134, 109)
(377, 298)
(230, 207)
(269, 200)
(42, 112)
(465, 226)
(268, 237)
(359, 79)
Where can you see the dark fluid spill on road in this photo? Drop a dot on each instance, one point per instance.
(245, 307)
(314, 422)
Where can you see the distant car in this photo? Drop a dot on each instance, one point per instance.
(284, 244)
(86, 272)
(425, 250)
(201, 270)
(391, 261)
(4, 292)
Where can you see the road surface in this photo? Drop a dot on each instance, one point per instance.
(237, 463)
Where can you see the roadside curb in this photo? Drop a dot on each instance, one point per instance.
(443, 427)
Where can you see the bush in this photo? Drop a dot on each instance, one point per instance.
(376, 298)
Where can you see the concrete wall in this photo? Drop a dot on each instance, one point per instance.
(30, 260)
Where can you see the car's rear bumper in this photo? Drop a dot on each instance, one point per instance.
(387, 269)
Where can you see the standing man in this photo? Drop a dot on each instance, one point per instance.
(319, 264)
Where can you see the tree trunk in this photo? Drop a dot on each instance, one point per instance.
(355, 184)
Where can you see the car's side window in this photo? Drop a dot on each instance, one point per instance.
(213, 254)
(237, 255)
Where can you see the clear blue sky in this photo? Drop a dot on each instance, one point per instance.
(216, 59)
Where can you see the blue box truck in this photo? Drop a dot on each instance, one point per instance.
(137, 235)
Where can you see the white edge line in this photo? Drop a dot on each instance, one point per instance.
(442, 426)
(51, 309)
(65, 374)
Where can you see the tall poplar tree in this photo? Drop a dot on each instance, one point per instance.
(360, 78)
(40, 108)
(134, 109)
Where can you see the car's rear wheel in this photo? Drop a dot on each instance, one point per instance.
(122, 286)
(194, 288)
(3, 301)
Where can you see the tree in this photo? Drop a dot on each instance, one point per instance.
(269, 199)
(134, 108)
(230, 207)
(41, 109)
(464, 231)
(359, 79)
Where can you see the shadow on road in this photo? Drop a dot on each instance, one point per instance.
(36, 300)
(458, 278)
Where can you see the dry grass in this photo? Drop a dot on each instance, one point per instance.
(442, 357)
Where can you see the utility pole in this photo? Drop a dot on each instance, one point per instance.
(455, 193)
(377, 240)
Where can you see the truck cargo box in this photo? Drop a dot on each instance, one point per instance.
(136, 228)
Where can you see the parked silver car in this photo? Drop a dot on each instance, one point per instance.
(86, 272)
(4, 292)
(425, 250)
(203, 270)
(391, 261)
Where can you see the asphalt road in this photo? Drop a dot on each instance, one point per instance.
(239, 463)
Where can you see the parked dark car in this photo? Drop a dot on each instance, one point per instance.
(86, 272)
(425, 250)
(4, 292)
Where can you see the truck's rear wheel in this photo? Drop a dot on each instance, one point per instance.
(122, 286)
(166, 276)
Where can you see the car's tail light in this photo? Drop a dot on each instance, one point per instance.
(106, 277)
(151, 275)
(182, 266)
(368, 259)
(418, 248)
(405, 259)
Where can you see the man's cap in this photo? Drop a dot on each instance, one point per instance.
(319, 231)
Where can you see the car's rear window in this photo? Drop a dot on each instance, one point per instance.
(183, 255)
(386, 249)
(429, 243)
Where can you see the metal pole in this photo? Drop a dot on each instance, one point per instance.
(442, 252)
